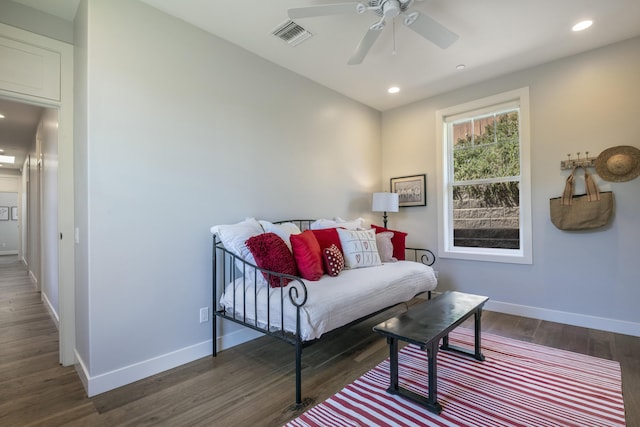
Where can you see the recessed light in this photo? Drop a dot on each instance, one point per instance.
(460, 67)
(582, 25)
(393, 89)
(1, 116)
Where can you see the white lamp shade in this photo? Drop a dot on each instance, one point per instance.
(385, 202)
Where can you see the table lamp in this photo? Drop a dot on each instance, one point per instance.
(385, 202)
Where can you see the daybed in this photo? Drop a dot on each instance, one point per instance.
(297, 310)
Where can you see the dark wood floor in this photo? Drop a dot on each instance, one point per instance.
(249, 385)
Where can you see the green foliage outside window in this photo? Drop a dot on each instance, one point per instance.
(492, 153)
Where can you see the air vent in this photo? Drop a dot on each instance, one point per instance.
(291, 33)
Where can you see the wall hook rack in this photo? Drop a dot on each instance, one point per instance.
(587, 162)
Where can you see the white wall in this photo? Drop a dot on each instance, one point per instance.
(180, 131)
(10, 182)
(80, 190)
(49, 209)
(588, 102)
(9, 228)
(32, 214)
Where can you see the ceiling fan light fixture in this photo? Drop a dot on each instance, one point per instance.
(582, 25)
(361, 8)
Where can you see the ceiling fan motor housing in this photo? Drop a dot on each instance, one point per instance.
(391, 8)
(388, 8)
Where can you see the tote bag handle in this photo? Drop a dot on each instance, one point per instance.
(593, 193)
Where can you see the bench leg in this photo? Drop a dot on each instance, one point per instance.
(477, 348)
(432, 401)
(393, 365)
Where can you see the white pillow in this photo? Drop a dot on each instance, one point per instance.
(235, 236)
(283, 230)
(320, 224)
(351, 224)
(385, 247)
(359, 248)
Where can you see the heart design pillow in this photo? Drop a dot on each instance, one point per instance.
(359, 248)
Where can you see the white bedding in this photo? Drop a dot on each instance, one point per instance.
(334, 301)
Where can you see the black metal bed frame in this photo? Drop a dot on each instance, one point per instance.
(228, 267)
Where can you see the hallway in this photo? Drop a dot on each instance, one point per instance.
(31, 379)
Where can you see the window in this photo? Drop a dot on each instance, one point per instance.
(484, 179)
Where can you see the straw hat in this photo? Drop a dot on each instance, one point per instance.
(619, 164)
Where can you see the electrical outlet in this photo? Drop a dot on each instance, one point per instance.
(204, 314)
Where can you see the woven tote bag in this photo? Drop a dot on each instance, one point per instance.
(581, 212)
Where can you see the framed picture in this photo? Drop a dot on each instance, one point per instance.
(4, 213)
(14, 213)
(412, 190)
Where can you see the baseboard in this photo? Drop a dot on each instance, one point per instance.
(236, 338)
(50, 309)
(97, 384)
(575, 319)
(34, 279)
(82, 371)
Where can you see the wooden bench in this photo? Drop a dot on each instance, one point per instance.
(425, 325)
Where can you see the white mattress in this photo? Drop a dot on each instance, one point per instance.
(333, 301)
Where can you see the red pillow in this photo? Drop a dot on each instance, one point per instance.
(398, 241)
(307, 253)
(333, 260)
(272, 253)
(327, 237)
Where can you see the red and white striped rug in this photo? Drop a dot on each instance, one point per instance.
(519, 384)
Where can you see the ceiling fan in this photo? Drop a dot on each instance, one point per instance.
(385, 9)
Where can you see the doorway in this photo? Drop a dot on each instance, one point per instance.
(41, 74)
(29, 213)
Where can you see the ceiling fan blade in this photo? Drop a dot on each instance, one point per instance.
(431, 29)
(324, 10)
(364, 46)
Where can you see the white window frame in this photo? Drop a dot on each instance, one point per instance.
(446, 247)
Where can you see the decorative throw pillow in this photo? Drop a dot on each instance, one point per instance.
(385, 247)
(271, 253)
(234, 237)
(351, 224)
(398, 241)
(283, 230)
(320, 224)
(307, 254)
(359, 248)
(333, 260)
(327, 237)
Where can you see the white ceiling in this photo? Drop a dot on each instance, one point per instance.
(17, 130)
(496, 37)
(65, 9)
